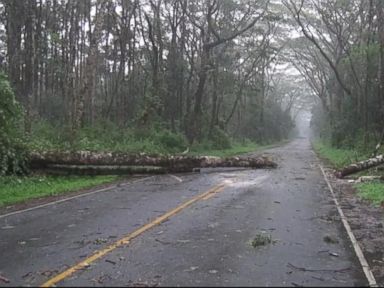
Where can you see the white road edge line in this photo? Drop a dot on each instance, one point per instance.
(74, 197)
(359, 253)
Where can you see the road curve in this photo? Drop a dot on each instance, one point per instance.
(189, 230)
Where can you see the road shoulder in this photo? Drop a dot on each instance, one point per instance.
(366, 222)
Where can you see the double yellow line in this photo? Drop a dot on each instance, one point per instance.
(125, 240)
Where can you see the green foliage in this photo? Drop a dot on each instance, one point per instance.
(12, 148)
(345, 131)
(172, 142)
(219, 139)
(275, 125)
(47, 136)
(262, 239)
(106, 136)
(359, 56)
(237, 148)
(336, 156)
(373, 192)
(18, 189)
(353, 122)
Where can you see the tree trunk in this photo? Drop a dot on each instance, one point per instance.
(193, 130)
(58, 169)
(86, 94)
(362, 165)
(380, 9)
(29, 65)
(15, 14)
(170, 163)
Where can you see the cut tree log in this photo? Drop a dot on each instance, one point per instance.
(370, 178)
(360, 166)
(62, 169)
(111, 162)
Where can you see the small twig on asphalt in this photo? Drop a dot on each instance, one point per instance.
(162, 242)
(49, 273)
(342, 270)
(5, 280)
(318, 278)
(26, 275)
(110, 261)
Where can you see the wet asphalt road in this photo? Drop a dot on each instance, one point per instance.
(205, 244)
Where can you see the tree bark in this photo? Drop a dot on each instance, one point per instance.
(370, 178)
(381, 66)
(59, 169)
(15, 14)
(359, 166)
(40, 160)
(86, 94)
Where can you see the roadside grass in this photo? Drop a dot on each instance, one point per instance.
(19, 189)
(236, 149)
(371, 191)
(374, 192)
(336, 156)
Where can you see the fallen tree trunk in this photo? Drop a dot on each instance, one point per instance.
(370, 178)
(108, 162)
(60, 169)
(360, 166)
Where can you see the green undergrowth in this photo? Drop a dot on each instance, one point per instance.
(374, 192)
(155, 140)
(338, 157)
(237, 148)
(106, 137)
(371, 191)
(19, 189)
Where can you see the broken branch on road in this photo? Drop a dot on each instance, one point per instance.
(5, 280)
(342, 270)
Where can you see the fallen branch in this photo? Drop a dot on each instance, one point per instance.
(360, 166)
(369, 178)
(84, 162)
(5, 280)
(342, 270)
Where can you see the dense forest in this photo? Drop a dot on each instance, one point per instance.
(195, 67)
(342, 60)
(164, 75)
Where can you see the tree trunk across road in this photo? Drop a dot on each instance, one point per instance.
(118, 161)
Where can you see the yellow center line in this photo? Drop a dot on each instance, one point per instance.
(125, 240)
(213, 192)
